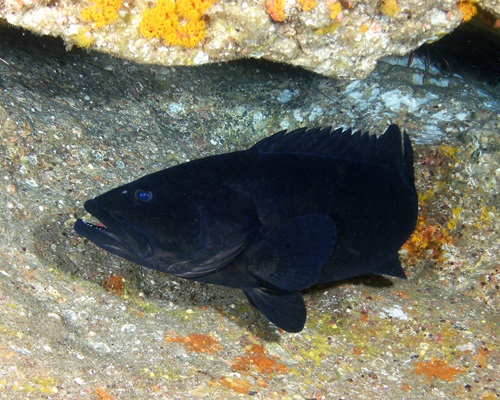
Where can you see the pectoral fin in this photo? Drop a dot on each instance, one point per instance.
(292, 256)
(206, 264)
(286, 310)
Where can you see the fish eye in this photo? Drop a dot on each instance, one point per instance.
(144, 196)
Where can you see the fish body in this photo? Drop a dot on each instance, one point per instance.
(294, 210)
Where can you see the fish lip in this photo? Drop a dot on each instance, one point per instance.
(116, 236)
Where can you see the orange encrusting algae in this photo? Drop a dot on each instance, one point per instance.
(196, 343)
(256, 358)
(114, 284)
(426, 238)
(102, 13)
(177, 22)
(237, 385)
(276, 9)
(364, 28)
(468, 10)
(482, 357)
(307, 5)
(103, 395)
(435, 368)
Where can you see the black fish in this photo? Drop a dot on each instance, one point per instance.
(294, 210)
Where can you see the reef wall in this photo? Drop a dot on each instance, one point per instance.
(342, 38)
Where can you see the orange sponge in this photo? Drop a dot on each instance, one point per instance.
(468, 10)
(276, 9)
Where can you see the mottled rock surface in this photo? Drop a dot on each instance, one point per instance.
(336, 38)
(79, 323)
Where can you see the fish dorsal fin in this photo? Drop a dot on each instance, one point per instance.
(389, 148)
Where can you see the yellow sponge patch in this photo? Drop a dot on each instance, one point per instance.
(335, 8)
(177, 22)
(307, 4)
(388, 7)
(103, 12)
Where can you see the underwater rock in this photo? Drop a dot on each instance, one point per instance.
(335, 38)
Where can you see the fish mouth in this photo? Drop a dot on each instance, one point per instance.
(116, 235)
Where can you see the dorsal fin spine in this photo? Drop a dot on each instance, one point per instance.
(390, 148)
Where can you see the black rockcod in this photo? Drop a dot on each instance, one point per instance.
(296, 209)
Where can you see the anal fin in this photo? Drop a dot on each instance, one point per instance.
(286, 310)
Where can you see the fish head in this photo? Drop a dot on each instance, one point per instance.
(177, 226)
